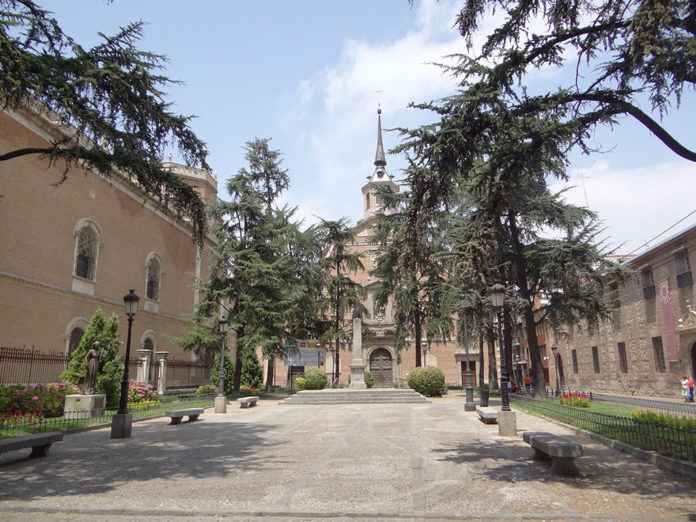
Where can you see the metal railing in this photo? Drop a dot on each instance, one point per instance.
(665, 438)
(186, 374)
(30, 366)
(71, 421)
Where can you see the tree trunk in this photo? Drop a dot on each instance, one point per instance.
(419, 335)
(520, 269)
(337, 367)
(481, 373)
(270, 373)
(237, 382)
(507, 341)
(492, 369)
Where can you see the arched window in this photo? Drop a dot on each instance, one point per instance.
(86, 250)
(153, 278)
(148, 344)
(75, 337)
(367, 201)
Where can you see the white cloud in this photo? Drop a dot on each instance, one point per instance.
(335, 121)
(636, 204)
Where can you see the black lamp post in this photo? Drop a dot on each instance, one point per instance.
(221, 401)
(121, 423)
(497, 294)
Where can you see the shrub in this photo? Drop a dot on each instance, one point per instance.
(300, 383)
(102, 334)
(660, 419)
(139, 392)
(247, 390)
(575, 399)
(205, 390)
(46, 400)
(427, 381)
(252, 374)
(315, 379)
(369, 379)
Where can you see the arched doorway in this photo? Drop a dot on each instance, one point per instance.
(381, 367)
(693, 361)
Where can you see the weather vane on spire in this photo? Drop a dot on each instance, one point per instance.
(379, 103)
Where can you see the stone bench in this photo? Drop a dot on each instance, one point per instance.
(177, 415)
(561, 450)
(247, 402)
(39, 443)
(487, 415)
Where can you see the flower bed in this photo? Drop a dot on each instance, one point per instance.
(34, 400)
(576, 399)
(139, 392)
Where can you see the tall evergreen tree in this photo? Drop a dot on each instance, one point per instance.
(622, 51)
(245, 275)
(265, 269)
(410, 265)
(341, 291)
(110, 99)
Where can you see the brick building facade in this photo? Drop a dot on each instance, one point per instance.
(72, 246)
(650, 341)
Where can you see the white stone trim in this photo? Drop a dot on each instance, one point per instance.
(91, 223)
(153, 255)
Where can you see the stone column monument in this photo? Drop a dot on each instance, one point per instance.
(144, 367)
(357, 366)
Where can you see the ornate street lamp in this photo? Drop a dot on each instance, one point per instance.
(122, 422)
(223, 327)
(497, 296)
(507, 422)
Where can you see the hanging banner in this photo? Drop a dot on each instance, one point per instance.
(669, 324)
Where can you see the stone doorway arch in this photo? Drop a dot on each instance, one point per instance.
(382, 367)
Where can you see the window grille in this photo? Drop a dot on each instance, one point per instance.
(595, 359)
(623, 360)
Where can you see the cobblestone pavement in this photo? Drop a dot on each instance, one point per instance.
(375, 462)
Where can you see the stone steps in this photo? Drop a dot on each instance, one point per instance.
(371, 396)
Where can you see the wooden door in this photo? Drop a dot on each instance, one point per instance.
(381, 367)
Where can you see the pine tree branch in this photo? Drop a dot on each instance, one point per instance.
(620, 106)
(26, 151)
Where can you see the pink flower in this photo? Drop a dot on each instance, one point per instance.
(34, 398)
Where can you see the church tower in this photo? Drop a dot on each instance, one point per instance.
(372, 204)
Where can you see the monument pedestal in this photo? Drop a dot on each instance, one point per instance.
(80, 406)
(121, 426)
(357, 376)
(507, 424)
(220, 404)
(469, 404)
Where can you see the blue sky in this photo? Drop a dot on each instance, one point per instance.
(306, 73)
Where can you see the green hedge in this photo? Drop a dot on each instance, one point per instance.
(427, 381)
(315, 379)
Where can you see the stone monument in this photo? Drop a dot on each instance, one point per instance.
(91, 404)
(357, 366)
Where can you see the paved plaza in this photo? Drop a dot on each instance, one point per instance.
(376, 462)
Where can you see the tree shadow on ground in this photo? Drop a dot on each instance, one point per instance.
(601, 468)
(90, 462)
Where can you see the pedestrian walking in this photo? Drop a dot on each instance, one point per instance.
(690, 395)
(685, 387)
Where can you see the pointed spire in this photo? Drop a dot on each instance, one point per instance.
(380, 161)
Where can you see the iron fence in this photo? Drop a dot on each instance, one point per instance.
(71, 421)
(665, 438)
(30, 366)
(187, 374)
(667, 407)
